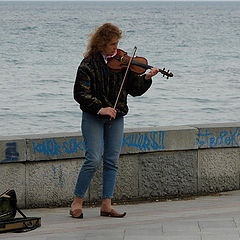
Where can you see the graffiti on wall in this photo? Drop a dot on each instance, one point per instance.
(141, 141)
(51, 147)
(220, 139)
(11, 153)
(145, 141)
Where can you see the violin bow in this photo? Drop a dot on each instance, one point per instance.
(124, 78)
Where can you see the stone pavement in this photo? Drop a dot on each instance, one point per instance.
(214, 217)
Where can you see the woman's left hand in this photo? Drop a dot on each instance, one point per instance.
(152, 73)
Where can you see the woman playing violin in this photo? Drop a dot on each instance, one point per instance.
(96, 88)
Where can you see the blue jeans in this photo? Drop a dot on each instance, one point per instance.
(102, 142)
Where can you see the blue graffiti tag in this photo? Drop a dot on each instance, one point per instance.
(145, 141)
(142, 141)
(50, 147)
(11, 153)
(221, 139)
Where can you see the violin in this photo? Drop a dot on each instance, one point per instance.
(138, 64)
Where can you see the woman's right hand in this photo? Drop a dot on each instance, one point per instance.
(111, 112)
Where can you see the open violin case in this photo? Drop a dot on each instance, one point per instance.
(8, 211)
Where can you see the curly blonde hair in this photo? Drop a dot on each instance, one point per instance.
(101, 37)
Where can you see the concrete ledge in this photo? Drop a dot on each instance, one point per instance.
(159, 139)
(51, 183)
(172, 173)
(71, 145)
(55, 147)
(218, 170)
(218, 135)
(13, 149)
(13, 176)
(154, 163)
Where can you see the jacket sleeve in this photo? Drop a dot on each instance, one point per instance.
(138, 85)
(82, 90)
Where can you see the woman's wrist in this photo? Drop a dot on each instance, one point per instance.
(148, 77)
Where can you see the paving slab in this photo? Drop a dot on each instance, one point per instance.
(214, 217)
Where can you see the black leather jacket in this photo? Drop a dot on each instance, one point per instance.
(97, 86)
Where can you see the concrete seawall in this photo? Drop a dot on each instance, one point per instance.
(159, 162)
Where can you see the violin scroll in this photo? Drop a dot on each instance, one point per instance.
(166, 73)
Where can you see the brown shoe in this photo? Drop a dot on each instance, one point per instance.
(77, 213)
(112, 213)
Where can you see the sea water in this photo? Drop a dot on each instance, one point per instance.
(42, 44)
